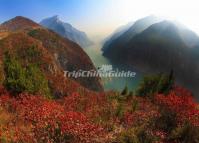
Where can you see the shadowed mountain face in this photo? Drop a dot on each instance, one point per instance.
(129, 31)
(115, 35)
(66, 30)
(160, 48)
(56, 54)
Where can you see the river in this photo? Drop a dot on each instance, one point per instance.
(117, 84)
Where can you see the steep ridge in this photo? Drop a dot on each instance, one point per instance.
(116, 34)
(69, 55)
(66, 30)
(56, 54)
(139, 26)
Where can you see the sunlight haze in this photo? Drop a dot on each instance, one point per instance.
(99, 18)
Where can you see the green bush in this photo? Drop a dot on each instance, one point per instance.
(15, 79)
(161, 83)
(35, 81)
(125, 91)
(135, 105)
(119, 111)
(32, 33)
(24, 79)
(136, 135)
(185, 134)
(32, 52)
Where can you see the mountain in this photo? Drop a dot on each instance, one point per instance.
(18, 23)
(117, 33)
(31, 44)
(161, 48)
(66, 30)
(190, 38)
(128, 33)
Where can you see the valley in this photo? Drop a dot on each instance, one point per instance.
(116, 83)
(106, 71)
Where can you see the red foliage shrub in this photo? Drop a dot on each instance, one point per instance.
(92, 105)
(180, 102)
(145, 112)
(90, 118)
(48, 121)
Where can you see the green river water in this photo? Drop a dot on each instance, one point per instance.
(119, 83)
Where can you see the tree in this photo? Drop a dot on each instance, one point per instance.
(166, 83)
(125, 90)
(29, 79)
(35, 81)
(15, 75)
(161, 83)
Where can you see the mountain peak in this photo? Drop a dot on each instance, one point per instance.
(66, 30)
(149, 20)
(54, 19)
(18, 23)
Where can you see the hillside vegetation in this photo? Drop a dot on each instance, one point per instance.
(100, 118)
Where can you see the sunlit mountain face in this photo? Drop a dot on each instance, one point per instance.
(106, 71)
(66, 30)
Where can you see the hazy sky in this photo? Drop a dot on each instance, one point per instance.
(101, 17)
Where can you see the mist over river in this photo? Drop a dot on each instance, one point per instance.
(116, 83)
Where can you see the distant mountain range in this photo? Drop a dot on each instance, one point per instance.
(117, 33)
(32, 44)
(159, 46)
(125, 33)
(67, 30)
